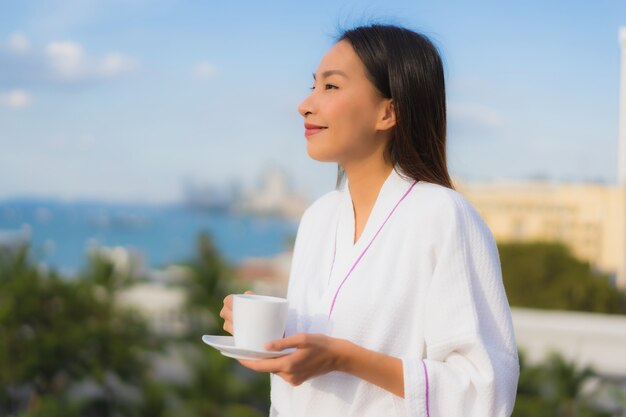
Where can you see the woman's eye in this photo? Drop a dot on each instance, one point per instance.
(327, 86)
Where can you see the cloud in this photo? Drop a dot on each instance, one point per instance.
(116, 63)
(66, 59)
(58, 62)
(69, 62)
(18, 43)
(204, 70)
(475, 115)
(16, 99)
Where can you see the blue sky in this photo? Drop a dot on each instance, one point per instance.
(126, 100)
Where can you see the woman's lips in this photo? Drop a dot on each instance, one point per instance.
(311, 129)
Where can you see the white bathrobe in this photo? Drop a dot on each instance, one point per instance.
(428, 290)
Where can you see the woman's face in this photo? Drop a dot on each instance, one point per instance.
(346, 118)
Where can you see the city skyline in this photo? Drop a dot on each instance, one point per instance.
(127, 100)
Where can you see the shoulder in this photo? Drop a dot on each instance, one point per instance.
(317, 215)
(429, 196)
(444, 207)
(322, 208)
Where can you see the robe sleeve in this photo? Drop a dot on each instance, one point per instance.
(470, 366)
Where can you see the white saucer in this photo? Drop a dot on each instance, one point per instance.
(226, 345)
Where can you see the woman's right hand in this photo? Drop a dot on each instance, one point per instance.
(227, 312)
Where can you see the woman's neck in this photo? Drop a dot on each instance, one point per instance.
(365, 181)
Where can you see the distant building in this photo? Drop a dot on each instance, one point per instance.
(126, 261)
(163, 306)
(157, 296)
(588, 339)
(210, 197)
(267, 276)
(588, 218)
(13, 241)
(274, 197)
(621, 173)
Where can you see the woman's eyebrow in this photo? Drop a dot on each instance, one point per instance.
(331, 72)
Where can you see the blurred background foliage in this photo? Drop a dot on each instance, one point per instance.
(69, 349)
(547, 276)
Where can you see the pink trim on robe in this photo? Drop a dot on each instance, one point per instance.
(366, 248)
(426, 378)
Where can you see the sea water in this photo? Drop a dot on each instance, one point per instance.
(62, 233)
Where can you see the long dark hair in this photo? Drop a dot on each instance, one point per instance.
(405, 66)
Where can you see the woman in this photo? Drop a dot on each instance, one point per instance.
(397, 306)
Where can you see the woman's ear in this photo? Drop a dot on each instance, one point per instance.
(387, 115)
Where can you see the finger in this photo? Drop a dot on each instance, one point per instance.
(297, 340)
(228, 301)
(291, 378)
(263, 365)
(228, 326)
(226, 313)
(248, 292)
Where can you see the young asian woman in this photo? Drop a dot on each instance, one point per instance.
(397, 306)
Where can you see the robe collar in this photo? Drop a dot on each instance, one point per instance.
(392, 190)
(344, 252)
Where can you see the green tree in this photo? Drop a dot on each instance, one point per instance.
(530, 400)
(219, 386)
(554, 388)
(211, 280)
(59, 333)
(548, 276)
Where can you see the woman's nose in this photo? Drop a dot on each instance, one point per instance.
(306, 106)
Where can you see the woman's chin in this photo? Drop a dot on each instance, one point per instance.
(319, 155)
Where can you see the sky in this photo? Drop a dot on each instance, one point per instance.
(129, 100)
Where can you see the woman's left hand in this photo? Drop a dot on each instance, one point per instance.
(316, 354)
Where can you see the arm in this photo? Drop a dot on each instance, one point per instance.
(470, 365)
(318, 354)
(374, 367)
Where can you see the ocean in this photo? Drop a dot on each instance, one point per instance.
(61, 233)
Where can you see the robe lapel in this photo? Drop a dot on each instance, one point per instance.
(347, 252)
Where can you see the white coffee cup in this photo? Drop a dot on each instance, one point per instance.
(258, 319)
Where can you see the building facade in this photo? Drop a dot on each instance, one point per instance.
(589, 218)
